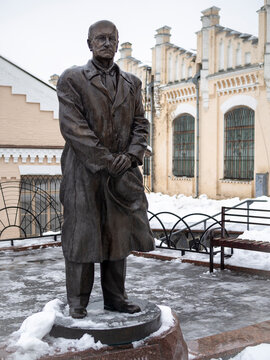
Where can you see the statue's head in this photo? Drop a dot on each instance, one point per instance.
(103, 39)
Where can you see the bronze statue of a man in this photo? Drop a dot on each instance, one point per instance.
(105, 208)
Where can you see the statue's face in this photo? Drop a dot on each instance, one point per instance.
(104, 41)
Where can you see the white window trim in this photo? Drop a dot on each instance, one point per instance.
(183, 109)
(239, 100)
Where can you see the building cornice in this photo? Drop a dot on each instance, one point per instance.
(176, 85)
(32, 154)
(181, 94)
(237, 71)
(31, 146)
(237, 84)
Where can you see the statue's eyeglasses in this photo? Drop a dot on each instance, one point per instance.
(103, 38)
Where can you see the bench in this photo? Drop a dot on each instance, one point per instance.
(251, 217)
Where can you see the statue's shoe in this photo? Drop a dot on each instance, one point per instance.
(124, 307)
(77, 313)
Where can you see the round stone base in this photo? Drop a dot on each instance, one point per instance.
(169, 345)
(110, 327)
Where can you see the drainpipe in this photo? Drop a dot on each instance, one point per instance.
(195, 81)
(151, 85)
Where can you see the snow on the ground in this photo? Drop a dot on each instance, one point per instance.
(31, 341)
(32, 241)
(259, 235)
(27, 341)
(28, 344)
(242, 258)
(259, 352)
(167, 321)
(182, 205)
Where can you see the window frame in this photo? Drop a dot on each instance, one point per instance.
(183, 166)
(242, 140)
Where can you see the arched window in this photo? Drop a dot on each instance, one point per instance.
(183, 146)
(239, 144)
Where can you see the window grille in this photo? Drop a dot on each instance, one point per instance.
(34, 201)
(239, 144)
(183, 146)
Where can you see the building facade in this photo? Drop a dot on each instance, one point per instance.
(209, 111)
(211, 123)
(30, 150)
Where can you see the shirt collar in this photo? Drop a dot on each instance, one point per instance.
(110, 71)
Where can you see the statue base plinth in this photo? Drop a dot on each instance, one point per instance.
(169, 345)
(110, 327)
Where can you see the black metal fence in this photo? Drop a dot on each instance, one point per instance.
(29, 210)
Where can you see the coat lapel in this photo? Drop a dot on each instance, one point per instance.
(123, 89)
(93, 75)
(96, 81)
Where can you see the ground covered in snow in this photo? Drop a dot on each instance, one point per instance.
(32, 340)
(183, 205)
(205, 303)
(259, 352)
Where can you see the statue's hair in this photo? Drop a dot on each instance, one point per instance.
(93, 26)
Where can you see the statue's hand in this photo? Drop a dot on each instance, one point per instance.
(120, 165)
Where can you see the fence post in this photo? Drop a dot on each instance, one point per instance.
(248, 204)
(222, 221)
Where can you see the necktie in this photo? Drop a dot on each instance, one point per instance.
(110, 85)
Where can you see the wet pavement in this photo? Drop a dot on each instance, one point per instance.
(206, 303)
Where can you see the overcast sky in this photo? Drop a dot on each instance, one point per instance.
(47, 36)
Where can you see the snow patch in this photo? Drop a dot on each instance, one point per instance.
(259, 352)
(182, 205)
(167, 321)
(258, 235)
(27, 344)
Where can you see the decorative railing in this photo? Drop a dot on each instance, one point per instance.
(28, 211)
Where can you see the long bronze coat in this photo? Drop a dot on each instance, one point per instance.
(104, 217)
